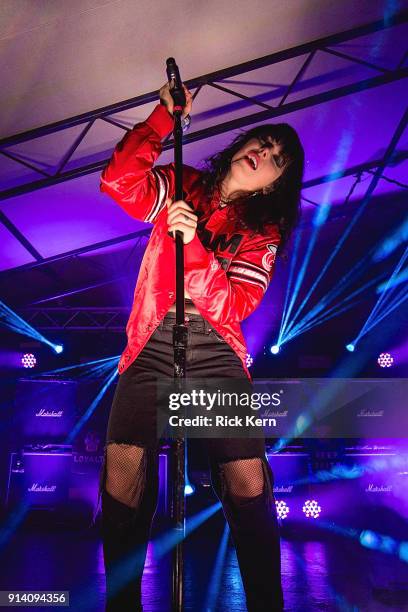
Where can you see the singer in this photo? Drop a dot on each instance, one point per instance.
(236, 216)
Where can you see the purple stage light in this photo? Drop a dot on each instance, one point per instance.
(28, 360)
(249, 360)
(311, 509)
(282, 508)
(385, 360)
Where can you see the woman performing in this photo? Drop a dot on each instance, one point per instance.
(235, 216)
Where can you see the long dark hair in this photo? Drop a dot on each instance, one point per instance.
(281, 206)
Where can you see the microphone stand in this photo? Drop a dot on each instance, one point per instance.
(180, 347)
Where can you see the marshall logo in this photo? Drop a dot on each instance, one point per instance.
(269, 258)
(378, 489)
(36, 488)
(282, 489)
(370, 413)
(272, 413)
(49, 413)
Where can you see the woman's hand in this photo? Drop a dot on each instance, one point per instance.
(167, 100)
(180, 217)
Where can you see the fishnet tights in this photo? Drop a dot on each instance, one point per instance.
(125, 473)
(244, 478)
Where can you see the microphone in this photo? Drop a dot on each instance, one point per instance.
(176, 85)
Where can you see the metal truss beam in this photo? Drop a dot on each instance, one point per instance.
(218, 75)
(81, 251)
(385, 76)
(391, 160)
(221, 128)
(77, 319)
(387, 156)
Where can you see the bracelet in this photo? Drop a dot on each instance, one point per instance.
(185, 123)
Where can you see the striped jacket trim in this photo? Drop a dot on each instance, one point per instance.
(162, 190)
(250, 273)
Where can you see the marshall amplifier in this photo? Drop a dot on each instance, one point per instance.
(380, 471)
(290, 469)
(367, 486)
(57, 479)
(45, 410)
(39, 478)
(46, 477)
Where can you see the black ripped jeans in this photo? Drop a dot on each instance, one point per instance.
(240, 474)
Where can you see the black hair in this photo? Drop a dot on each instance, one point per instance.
(281, 205)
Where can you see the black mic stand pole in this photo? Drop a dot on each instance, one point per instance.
(179, 345)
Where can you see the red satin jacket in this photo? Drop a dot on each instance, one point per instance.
(227, 269)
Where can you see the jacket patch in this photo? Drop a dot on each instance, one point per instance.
(269, 258)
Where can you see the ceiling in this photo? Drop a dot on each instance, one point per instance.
(61, 59)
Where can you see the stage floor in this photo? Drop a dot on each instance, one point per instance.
(329, 573)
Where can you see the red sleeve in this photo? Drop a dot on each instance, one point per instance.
(130, 179)
(233, 294)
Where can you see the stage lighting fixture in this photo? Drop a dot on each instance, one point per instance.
(369, 539)
(28, 360)
(350, 347)
(58, 348)
(311, 508)
(189, 490)
(275, 348)
(282, 508)
(249, 360)
(403, 551)
(385, 360)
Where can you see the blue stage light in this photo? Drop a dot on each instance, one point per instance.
(369, 539)
(275, 348)
(58, 348)
(350, 347)
(169, 539)
(90, 410)
(388, 301)
(392, 242)
(403, 551)
(14, 322)
(400, 279)
(189, 489)
(214, 583)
